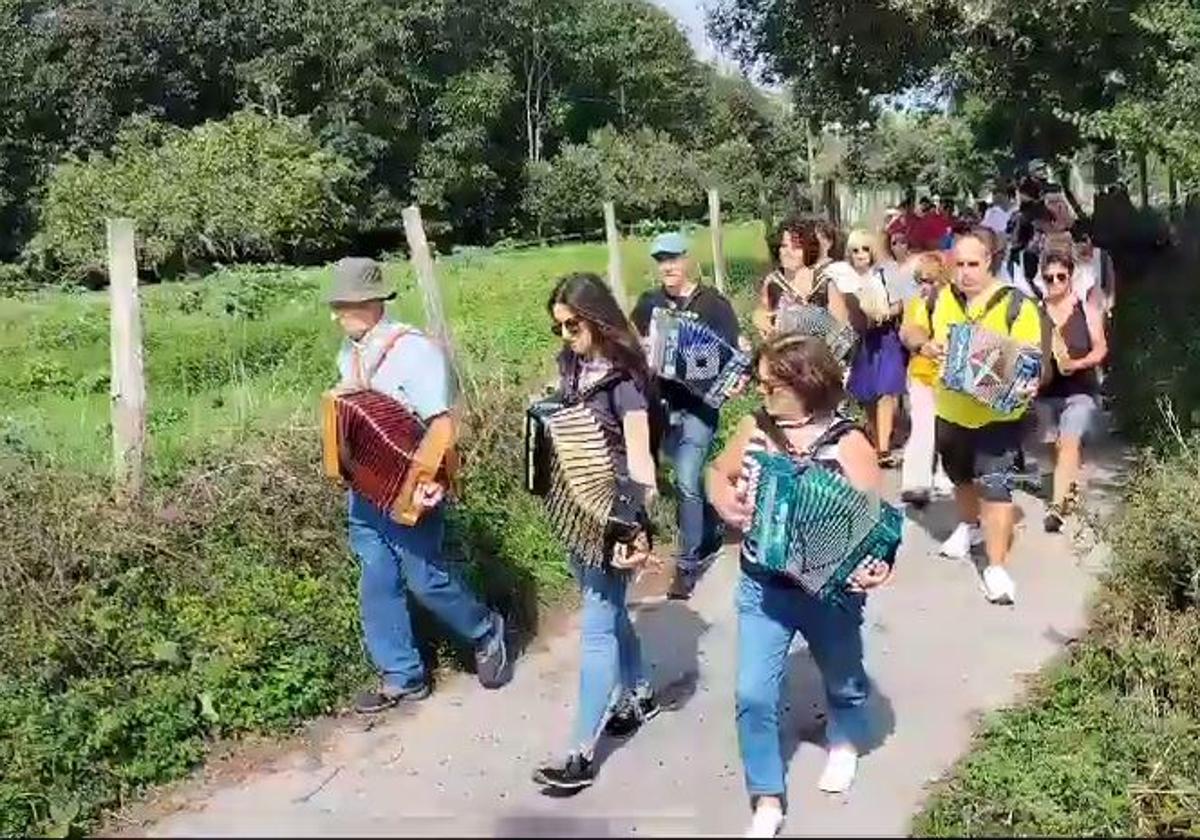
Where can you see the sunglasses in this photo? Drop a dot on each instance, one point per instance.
(861, 249)
(565, 329)
(1055, 276)
(968, 263)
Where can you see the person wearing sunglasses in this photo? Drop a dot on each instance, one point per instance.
(877, 371)
(1066, 407)
(979, 447)
(602, 365)
(692, 422)
(801, 387)
(917, 479)
(796, 248)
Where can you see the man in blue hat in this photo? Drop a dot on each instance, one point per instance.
(693, 423)
(384, 355)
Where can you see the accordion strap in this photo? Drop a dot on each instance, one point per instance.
(774, 432)
(363, 375)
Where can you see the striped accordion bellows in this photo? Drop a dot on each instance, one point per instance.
(810, 319)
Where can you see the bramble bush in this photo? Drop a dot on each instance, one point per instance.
(250, 187)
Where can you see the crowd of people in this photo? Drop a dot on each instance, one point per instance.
(1024, 269)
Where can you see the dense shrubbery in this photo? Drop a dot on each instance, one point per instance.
(248, 188)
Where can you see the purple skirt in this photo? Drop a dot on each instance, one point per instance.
(880, 365)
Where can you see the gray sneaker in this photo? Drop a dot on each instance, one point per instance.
(491, 656)
(382, 699)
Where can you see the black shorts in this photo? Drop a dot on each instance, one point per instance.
(989, 454)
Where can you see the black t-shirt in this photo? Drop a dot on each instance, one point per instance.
(715, 311)
(609, 403)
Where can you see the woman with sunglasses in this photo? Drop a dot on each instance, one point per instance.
(918, 481)
(1066, 406)
(877, 372)
(602, 365)
(795, 280)
(801, 385)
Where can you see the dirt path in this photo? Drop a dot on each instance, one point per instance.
(459, 763)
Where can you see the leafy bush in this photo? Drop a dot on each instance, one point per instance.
(249, 187)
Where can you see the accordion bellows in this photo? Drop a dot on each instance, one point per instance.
(383, 450)
(686, 350)
(568, 462)
(992, 368)
(816, 321)
(811, 525)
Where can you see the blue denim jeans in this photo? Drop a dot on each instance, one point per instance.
(611, 653)
(687, 443)
(396, 558)
(769, 616)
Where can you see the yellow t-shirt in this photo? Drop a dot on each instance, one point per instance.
(961, 409)
(920, 368)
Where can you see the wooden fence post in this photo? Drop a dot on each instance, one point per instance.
(431, 293)
(127, 377)
(718, 243)
(616, 280)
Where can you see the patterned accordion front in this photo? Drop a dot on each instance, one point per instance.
(812, 526)
(816, 321)
(989, 367)
(383, 450)
(568, 463)
(686, 350)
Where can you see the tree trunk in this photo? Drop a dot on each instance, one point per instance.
(1144, 177)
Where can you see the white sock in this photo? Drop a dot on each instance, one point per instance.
(840, 768)
(767, 820)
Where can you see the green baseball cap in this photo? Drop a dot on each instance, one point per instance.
(357, 280)
(669, 245)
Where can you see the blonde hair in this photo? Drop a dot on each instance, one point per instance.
(931, 264)
(872, 296)
(862, 236)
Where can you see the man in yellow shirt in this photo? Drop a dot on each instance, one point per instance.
(979, 447)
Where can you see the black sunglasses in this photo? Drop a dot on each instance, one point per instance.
(1055, 276)
(571, 325)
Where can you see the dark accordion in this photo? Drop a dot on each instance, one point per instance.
(811, 526)
(686, 350)
(569, 464)
(812, 320)
(383, 451)
(992, 368)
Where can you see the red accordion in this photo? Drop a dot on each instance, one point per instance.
(384, 451)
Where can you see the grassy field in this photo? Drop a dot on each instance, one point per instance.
(251, 348)
(225, 601)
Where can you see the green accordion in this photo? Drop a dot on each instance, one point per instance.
(814, 528)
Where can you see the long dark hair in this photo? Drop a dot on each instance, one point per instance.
(592, 302)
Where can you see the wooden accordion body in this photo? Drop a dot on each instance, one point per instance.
(684, 349)
(383, 450)
(568, 463)
(992, 368)
(812, 320)
(812, 526)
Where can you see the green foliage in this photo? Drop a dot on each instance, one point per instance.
(250, 187)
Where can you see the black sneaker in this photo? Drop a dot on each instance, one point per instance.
(491, 656)
(576, 773)
(1054, 520)
(916, 498)
(681, 587)
(630, 714)
(373, 702)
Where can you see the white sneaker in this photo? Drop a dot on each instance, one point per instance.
(840, 768)
(998, 585)
(767, 821)
(961, 541)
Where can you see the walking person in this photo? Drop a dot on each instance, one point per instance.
(919, 478)
(801, 385)
(877, 372)
(399, 361)
(601, 366)
(794, 280)
(979, 447)
(692, 422)
(1067, 405)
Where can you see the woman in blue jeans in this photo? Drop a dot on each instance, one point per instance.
(601, 366)
(801, 385)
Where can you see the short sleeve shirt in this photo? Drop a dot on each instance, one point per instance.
(609, 404)
(414, 371)
(961, 409)
(920, 368)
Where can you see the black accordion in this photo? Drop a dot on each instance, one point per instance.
(684, 349)
(568, 462)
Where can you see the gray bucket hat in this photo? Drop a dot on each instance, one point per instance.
(357, 280)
